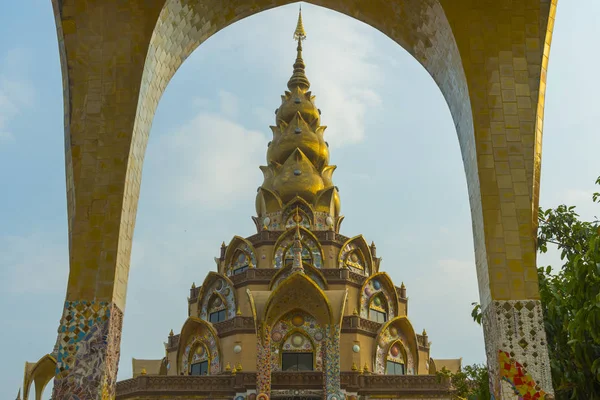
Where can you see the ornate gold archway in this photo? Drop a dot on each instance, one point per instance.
(489, 59)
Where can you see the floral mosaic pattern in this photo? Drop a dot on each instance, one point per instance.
(332, 363)
(374, 287)
(304, 222)
(88, 350)
(263, 362)
(206, 339)
(392, 336)
(225, 293)
(310, 250)
(522, 383)
(352, 258)
(305, 328)
(517, 328)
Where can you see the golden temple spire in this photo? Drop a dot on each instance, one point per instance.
(299, 79)
(298, 155)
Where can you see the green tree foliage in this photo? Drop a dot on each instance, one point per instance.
(571, 301)
(471, 383)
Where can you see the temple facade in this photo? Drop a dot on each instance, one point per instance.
(297, 310)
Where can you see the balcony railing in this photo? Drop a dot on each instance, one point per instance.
(227, 385)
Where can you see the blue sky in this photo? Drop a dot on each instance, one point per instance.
(399, 172)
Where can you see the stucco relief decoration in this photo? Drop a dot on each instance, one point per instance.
(297, 331)
(220, 294)
(392, 336)
(88, 350)
(351, 257)
(376, 287)
(201, 346)
(311, 251)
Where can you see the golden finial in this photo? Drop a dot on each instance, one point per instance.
(171, 333)
(366, 368)
(355, 312)
(299, 79)
(193, 285)
(424, 332)
(228, 367)
(238, 312)
(223, 244)
(354, 367)
(402, 286)
(239, 367)
(299, 33)
(143, 371)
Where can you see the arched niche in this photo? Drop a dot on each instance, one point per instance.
(298, 291)
(196, 332)
(40, 374)
(396, 358)
(397, 330)
(304, 210)
(379, 284)
(312, 251)
(239, 256)
(315, 274)
(297, 332)
(356, 255)
(217, 286)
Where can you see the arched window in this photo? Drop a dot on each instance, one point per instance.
(395, 360)
(297, 353)
(217, 309)
(378, 311)
(199, 361)
(241, 262)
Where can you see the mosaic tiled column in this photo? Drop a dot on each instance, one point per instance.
(332, 363)
(263, 363)
(89, 337)
(517, 350)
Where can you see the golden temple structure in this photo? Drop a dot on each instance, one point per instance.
(298, 310)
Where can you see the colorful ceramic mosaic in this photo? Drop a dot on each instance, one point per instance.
(220, 290)
(521, 382)
(203, 337)
(392, 335)
(303, 210)
(311, 251)
(304, 221)
(88, 351)
(517, 327)
(263, 362)
(297, 331)
(332, 363)
(352, 257)
(373, 287)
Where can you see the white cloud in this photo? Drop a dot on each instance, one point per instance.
(338, 55)
(214, 160)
